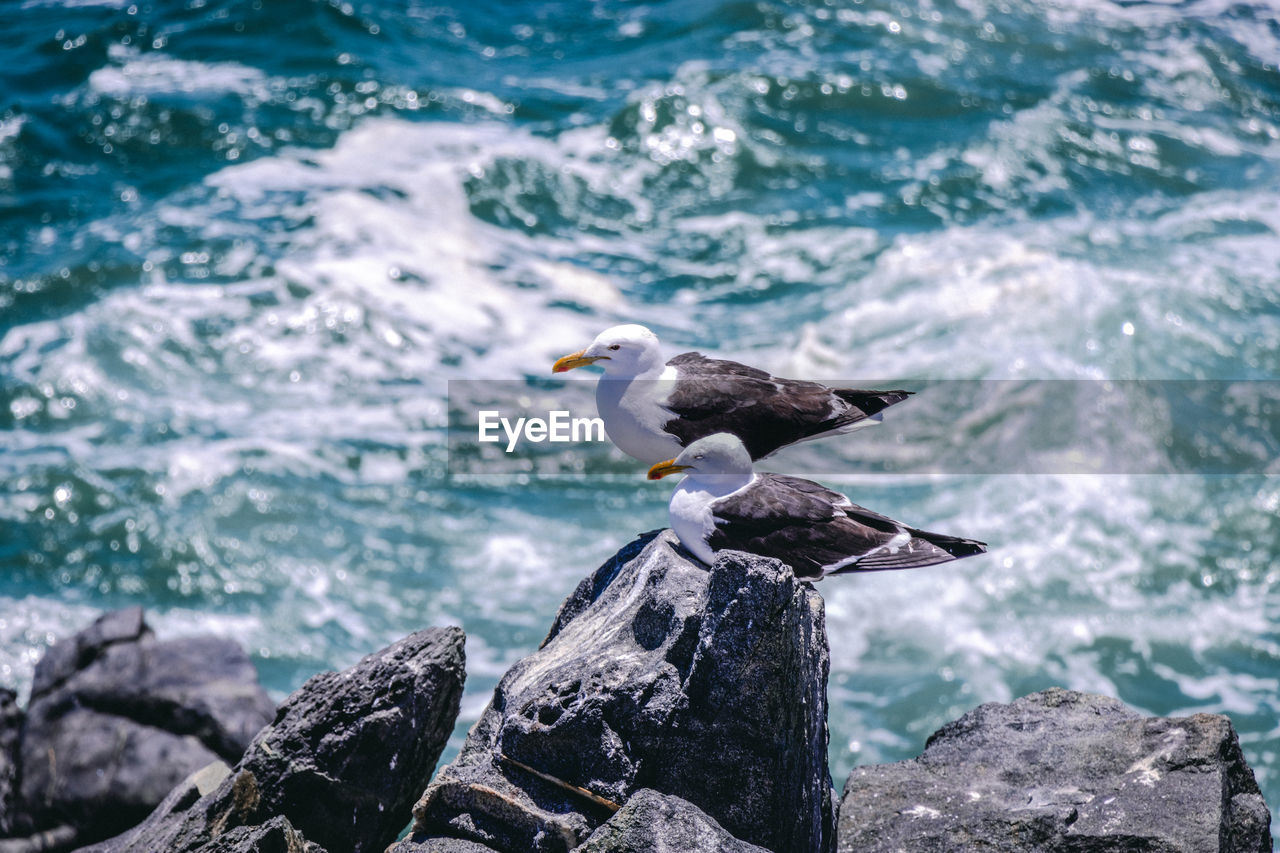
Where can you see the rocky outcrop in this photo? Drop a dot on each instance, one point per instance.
(117, 717)
(658, 823)
(10, 733)
(337, 770)
(350, 752)
(1061, 771)
(710, 686)
(650, 822)
(274, 836)
(670, 708)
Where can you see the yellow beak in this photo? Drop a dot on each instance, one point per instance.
(575, 359)
(662, 469)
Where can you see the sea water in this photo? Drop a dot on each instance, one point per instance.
(245, 245)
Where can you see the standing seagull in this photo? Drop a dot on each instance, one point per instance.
(723, 504)
(651, 408)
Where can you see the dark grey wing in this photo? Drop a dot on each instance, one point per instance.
(817, 531)
(923, 548)
(795, 520)
(714, 395)
(774, 500)
(864, 404)
(697, 363)
(801, 486)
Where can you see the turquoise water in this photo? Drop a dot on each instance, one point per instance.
(245, 245)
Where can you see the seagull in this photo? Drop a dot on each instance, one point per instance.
(653, 408)
(723, 504)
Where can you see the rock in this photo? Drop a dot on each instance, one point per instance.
(710, 686)
(1062, 771)
(658, 823)
(64, 659)
(160, 827)
(274, 836)
(350, 752)
(341, 763)
(100, 772)
(118, 717)
(10, 732)
(442, 845)
(277, 835)
(46, 841)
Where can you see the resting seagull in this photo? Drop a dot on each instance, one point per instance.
(652, 408)
(722, 504)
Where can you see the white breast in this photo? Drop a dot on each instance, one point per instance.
(691, 510)
(692, 521)
(633, 412)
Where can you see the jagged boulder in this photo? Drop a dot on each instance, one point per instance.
(659, 823)
(1061, 771)
(338, 769)
(657, 673)
(441, 844)
(117, 717)
(277, 835)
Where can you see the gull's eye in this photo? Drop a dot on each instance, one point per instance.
(699, 456)
(616, 347)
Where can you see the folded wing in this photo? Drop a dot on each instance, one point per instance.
(818, 531)
(715, 395)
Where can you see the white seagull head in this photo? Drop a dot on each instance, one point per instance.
(628, 350)
(722, 456)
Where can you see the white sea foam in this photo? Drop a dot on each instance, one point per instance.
(11, 127)
(135, 73)
(1002, 293)
(394, 245)
(76, 4)
(392, 287)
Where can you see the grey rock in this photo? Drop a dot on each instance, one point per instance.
(274, 836)
(46, 841)
(350, 752)
(118, 717)
(341, 763)
(66, 658)
(1062, 772)
(101, 773)
(656, 674)
(591, 587)
(161, 827)
(10, 733)
(440, 844)
(651, 822)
